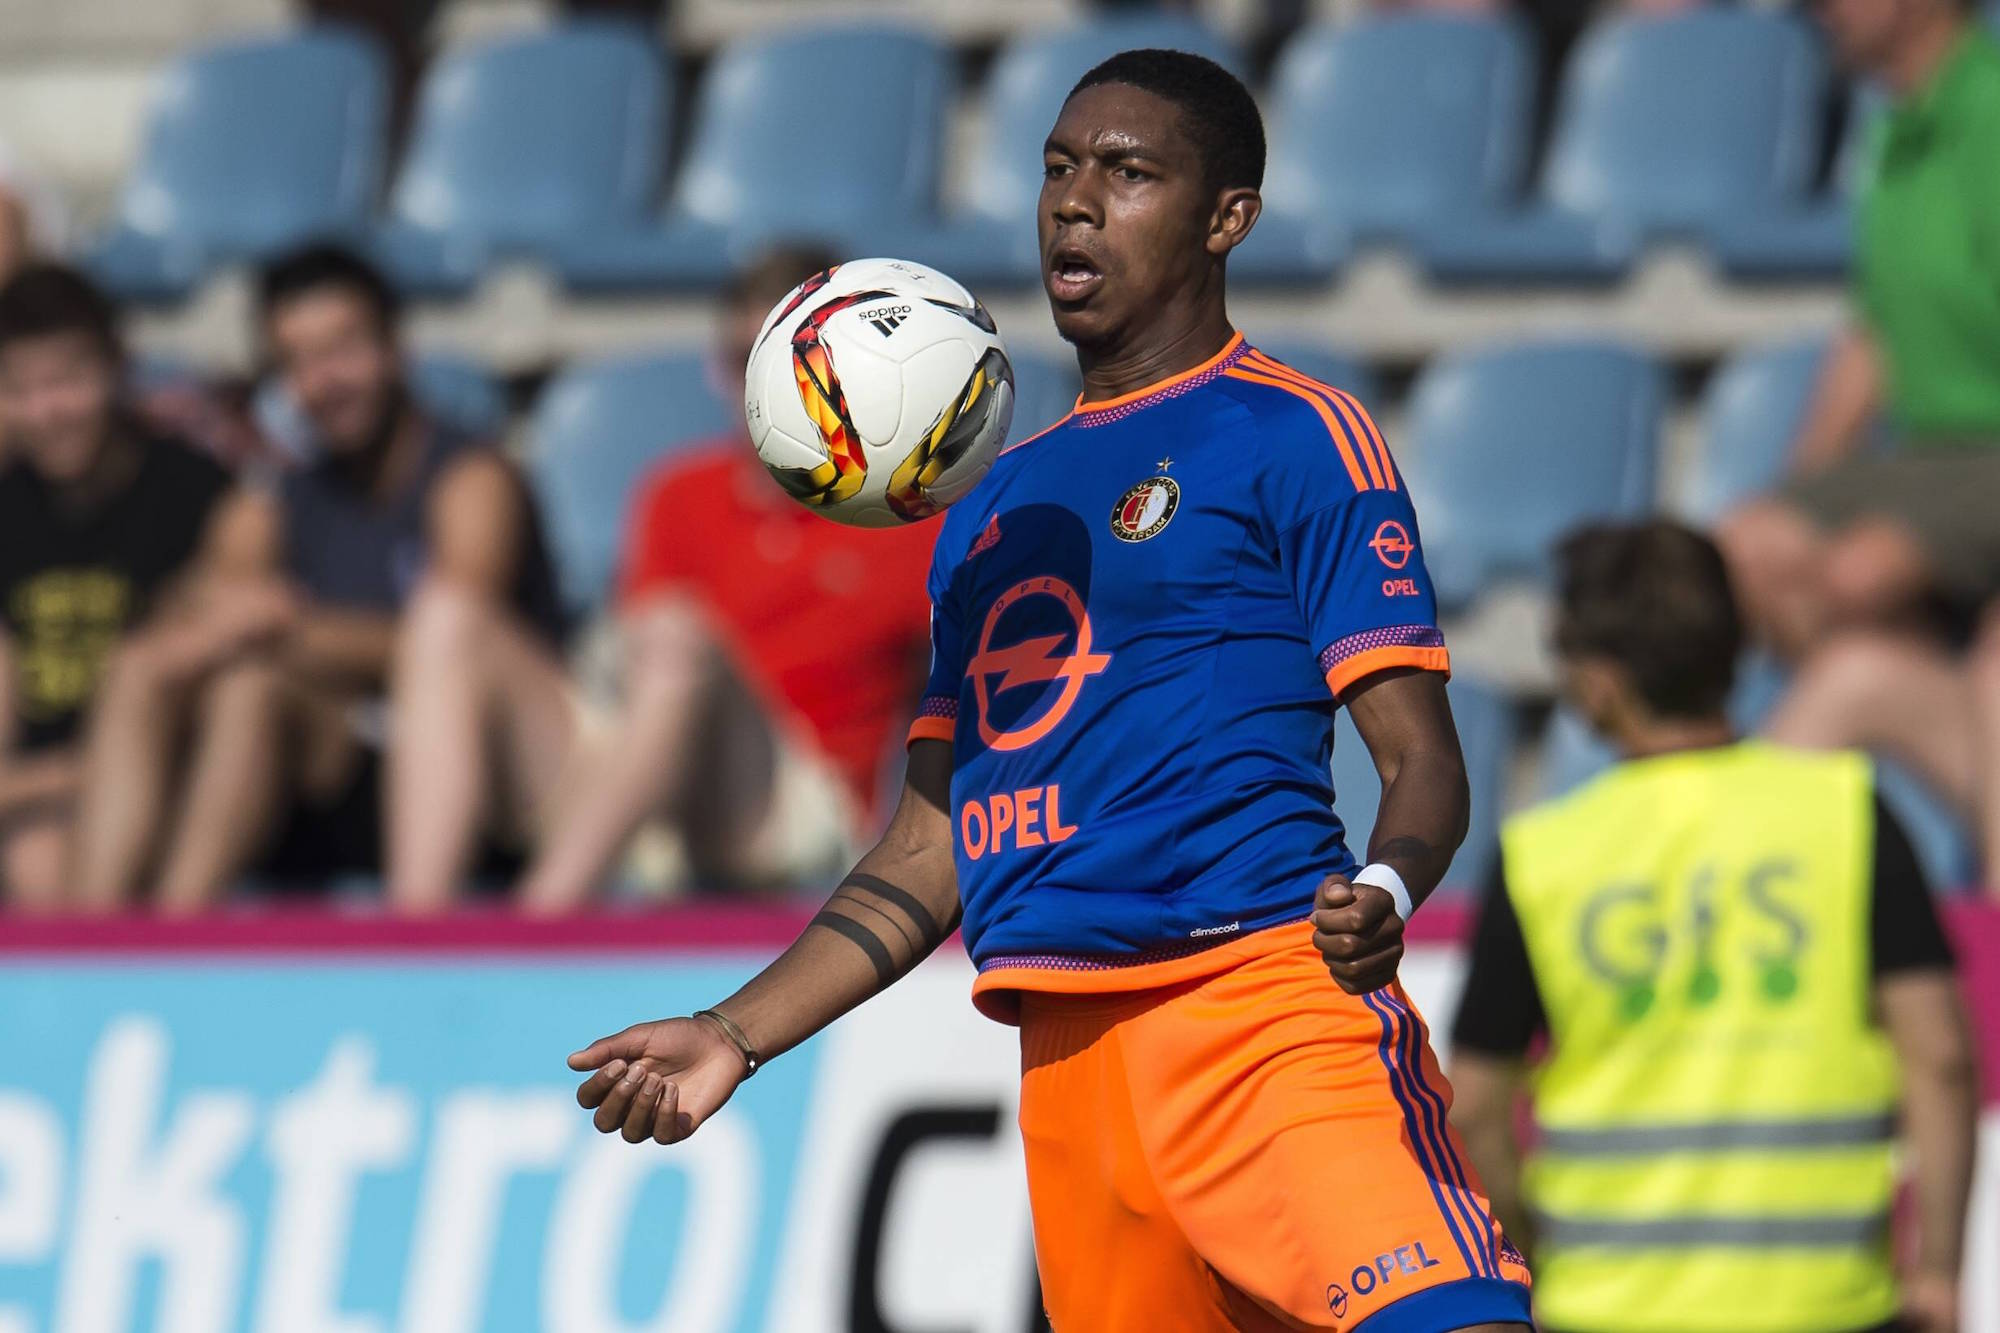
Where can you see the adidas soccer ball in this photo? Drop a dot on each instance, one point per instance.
(878, 392)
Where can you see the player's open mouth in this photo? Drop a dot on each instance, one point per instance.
(1071, 275)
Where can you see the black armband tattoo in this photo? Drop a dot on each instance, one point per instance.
(866, 939)
(917, 928)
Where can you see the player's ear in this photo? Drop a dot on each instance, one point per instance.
(1236, 212)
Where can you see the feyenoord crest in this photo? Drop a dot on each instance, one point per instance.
(1145, 509)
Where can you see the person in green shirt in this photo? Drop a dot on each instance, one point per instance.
(1883, 539)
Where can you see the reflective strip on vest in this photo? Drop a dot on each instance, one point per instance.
(1744, 1232)
(1720, 1136)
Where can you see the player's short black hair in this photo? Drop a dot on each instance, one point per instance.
(1218, 111)
(1653, 597)
(44, 299)
(321, 265)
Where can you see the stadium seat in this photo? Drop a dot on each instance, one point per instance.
(1665, 127)
(993, 241)
(528, 144)
(1328, 367)
(1485, 733)
(1750, 414)
(828, 133)
(596, 430)
(249, 146)
(1045, 388)
(461, 391)
(1384, 124)
(1511, 447)
(1813, 240)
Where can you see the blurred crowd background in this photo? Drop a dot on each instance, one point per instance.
(375, 521)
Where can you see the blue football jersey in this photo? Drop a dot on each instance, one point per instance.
(1136, 619)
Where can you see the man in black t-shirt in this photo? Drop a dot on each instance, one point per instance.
(1730, 952)
(99, 518)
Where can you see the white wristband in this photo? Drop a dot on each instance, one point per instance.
(1385, 878)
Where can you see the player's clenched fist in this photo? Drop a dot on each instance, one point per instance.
(658, 1080)
(1356, 929)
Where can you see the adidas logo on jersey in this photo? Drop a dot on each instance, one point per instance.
(885, 320)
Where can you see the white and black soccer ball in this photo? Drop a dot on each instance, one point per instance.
(878, 392)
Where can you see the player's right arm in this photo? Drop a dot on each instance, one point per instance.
(661, 1080)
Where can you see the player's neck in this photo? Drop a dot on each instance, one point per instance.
(1158, 352)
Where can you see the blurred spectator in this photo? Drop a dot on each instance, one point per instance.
(1732, 951)
(1912, 698)
(769, 658)
(98, 518)
(252, 723)
(1876, 540)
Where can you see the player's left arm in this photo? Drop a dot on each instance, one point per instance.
(1405, 720)
(1346, 537)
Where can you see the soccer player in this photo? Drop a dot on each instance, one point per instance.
(1120, 772)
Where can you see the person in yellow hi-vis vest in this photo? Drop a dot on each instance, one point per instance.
(1744, 988)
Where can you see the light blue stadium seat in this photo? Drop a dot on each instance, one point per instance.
(1384, 124)
(1510, 447)
(832, 133)
(1486, 735)
(1666, 126)
(1045, 388)
(993, 241)
(1327, 366)
(461, 391)
(1750, 414)
(525, 145)
(249, 146)
(597, 429)
(1814, 239)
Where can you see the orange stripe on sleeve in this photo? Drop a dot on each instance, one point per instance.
(1333, 427)
(932, 729)
(1351, 669)
(1374, 432)
(1339, 402)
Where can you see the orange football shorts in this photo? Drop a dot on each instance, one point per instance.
(1252, 1150)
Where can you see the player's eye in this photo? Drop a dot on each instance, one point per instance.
(1128, 172)
(1055, 170)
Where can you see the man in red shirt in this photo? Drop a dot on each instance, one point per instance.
(770, 657)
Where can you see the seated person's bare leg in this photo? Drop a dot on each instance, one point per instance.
(130, 749)
(1984, 671)
(481, 725)
(692, 746)
(34, 862)
(1775, 555)
(1899, 694)
(234, 786)
(1876, 575)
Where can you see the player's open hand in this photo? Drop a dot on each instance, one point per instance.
(658, 1081)
(1357, 931)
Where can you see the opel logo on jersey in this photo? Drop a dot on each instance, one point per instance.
(1037, 660)
(1142, 511)
(1392, 544)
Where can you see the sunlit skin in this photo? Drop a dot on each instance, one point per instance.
(1134, 238)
